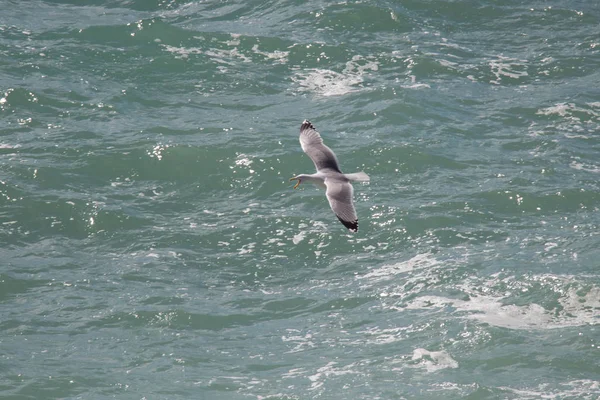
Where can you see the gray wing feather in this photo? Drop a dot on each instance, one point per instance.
(339, 194)
(312, 144)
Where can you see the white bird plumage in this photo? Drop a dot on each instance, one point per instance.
(339, 191)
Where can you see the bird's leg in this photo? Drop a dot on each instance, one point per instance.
(295, 179)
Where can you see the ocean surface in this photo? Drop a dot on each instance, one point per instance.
(152, 246)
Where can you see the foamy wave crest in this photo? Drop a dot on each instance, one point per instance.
(433, 360)
(506, 67)
(326, 82)
(579, 389)
(387, 272)
(578, 305)
(497, 300)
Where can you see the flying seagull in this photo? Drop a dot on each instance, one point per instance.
(329, 176)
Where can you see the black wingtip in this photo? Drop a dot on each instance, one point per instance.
(306, 125)
(351, 225)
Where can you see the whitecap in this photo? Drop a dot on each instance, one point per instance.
(580, 389)
(433, 360)
(331, 369)
(277, 55)
(576, 309)
(299, 237)
(567, 110)
(386, 272)
(506, 67)
(181, 52)
(326, 82)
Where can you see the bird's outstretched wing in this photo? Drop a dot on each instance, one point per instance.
(339, 194)
(312, 144)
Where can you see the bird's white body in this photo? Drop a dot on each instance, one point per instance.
(339, 191)
(318, 179)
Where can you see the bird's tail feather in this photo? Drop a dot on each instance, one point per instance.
(358, 176)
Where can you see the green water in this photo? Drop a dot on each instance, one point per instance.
(153, 248)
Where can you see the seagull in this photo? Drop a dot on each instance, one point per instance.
(329, 176)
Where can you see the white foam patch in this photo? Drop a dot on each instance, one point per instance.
(182, 52)
(247, 248)
(490, 300)
(433, 360)
(414, 85)
(584, 389)
(221, 56)
(228, 57)
(278, 56)
(299, 237)
(383, 336)
(238, 383)
(326, 82)
(387, 272)
(558, 109)
(585, 308)
(584, 167)
(506, 67)
(331, 369)
(243, 160)
(574, 121)
(576, 310)
(300, 342)
(235, 40)
(578, 389)
(571, 111)
(567, 110)
(488, 310)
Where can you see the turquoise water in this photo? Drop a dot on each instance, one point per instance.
(153, 248)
